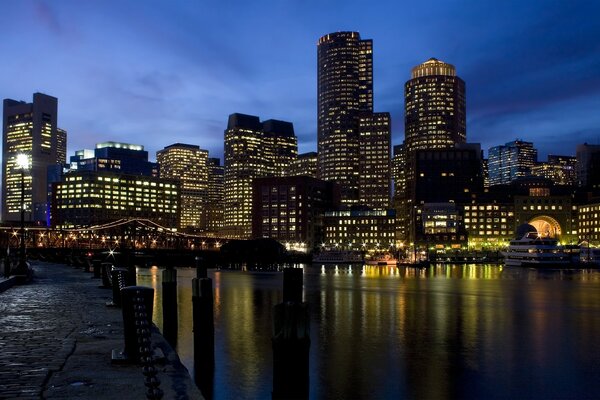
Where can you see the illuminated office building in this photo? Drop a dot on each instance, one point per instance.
(435, 107)
(345, 88)
(125, 158)
(214, 206)
(510, 161)
(305, 165)
(86, 198)
(435, 118)
(360, 229)
(562, 170)
(374, 181)
(253, 149)
(29, 128)
(188, 164)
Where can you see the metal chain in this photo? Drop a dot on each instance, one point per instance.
(143, 335)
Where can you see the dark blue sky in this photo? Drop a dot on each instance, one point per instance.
(158, 72)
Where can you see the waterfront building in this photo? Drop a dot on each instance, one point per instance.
(214, 205)
(547, 207)
(562, 170)
(588, 227)
(305, 164)
(188, 164)
(360, 229)
(30, 129)
(289, 209)
(510, 161)
(253, 149)
(489, 224)
(345, 91)
(588, 166)
(374, 180)
(87, 197)
(124, 158)
(440, 227)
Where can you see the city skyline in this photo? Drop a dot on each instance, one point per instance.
(160, 76)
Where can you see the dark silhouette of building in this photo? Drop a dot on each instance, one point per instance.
(290, 209)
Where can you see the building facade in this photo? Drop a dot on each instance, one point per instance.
(85, 198)
(360, 230)
(345, 88)
(253, 149)
(305, 165)
(374, 180)
(29, 129)
(510, 161)
(189, 165)
(562, 170)
(290, 210)
(125, 158)
(214, 206)
(588, 166)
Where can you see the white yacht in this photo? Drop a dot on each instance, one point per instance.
(533, 250)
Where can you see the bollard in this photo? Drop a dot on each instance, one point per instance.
(135, 300)
(292, 284)
(169, 297)
(105, 269)
(97, 268)
(132, 275)
(291, 340)
(291, 345)
(119, 281)
(201, 271)
(204, 335)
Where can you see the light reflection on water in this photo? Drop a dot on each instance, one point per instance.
(449, 331)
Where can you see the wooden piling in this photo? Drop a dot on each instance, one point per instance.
(169, 308)
(204, 335)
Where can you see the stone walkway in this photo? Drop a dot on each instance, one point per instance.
(56, 337)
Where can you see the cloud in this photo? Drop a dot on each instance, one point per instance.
(47, 17)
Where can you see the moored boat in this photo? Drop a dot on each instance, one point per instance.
(533, 250)
(382, 259)
(338, 257)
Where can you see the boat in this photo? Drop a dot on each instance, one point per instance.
(337, 257)
(533, 250)
(382, 259)
(590, 256)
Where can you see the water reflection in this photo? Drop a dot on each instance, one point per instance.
(463, 331)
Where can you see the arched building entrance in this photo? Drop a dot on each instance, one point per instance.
(546, 226)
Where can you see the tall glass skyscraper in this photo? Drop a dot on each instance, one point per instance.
(346, 122)
(510, 161)
(30, 129)
(253, 149)
(188, 164)
(435, 107)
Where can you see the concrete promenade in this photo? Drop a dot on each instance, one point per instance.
(56, 338)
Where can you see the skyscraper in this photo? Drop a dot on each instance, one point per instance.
(253, 149)
(435, 118)
(435, 107)
(30, 129)
(510, 161)
(374, 181)
(214, 206)
(345, 88)
(188, 164)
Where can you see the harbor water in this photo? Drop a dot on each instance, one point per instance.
(443, 332)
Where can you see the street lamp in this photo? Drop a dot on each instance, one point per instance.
(23, 165)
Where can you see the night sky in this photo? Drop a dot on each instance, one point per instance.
(159, 72)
